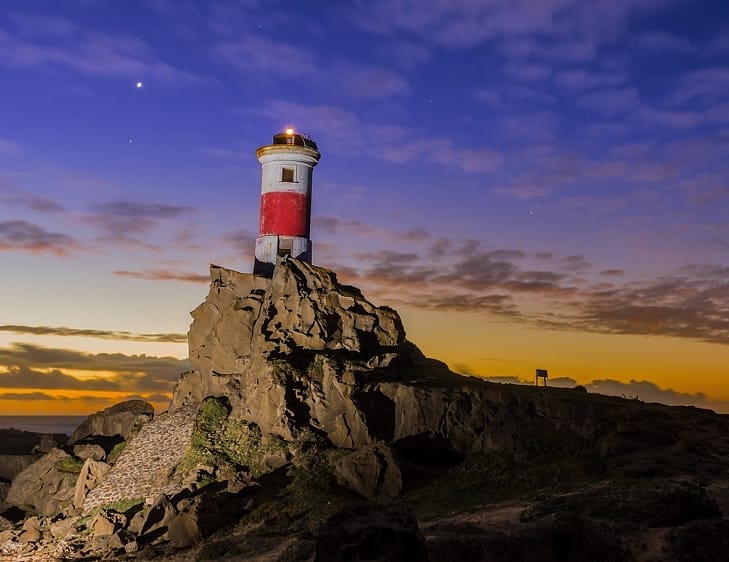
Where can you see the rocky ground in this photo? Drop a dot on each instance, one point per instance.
(321, 433)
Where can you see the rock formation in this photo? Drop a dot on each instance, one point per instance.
(309, 423)
(124, 419)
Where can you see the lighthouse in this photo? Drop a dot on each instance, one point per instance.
(287, 166)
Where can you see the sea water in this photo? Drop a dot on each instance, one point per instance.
(42, 424)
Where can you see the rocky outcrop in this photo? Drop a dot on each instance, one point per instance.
(372, 472)
(124, 419)
(92, 474)
(43, 487)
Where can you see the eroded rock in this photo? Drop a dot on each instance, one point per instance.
(372, 472)
(43, 487)
(92, 474)
(124, 419)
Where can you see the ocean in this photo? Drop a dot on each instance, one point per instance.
(42, 424)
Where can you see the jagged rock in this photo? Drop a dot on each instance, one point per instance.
(89, 451)
(371, 533)
(184, 530)
(6, 535)
(125, 419)
(372, 472)
(61, 528)
(92, 473)
(42, 487)
(32, 523)
(29, 536)
(202, 515)
(5, 524)
(290, 351)
(107, 523)
(157, 517)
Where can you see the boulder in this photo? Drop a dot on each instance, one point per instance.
(92, 474)
(43, 487)
(12, 465)
(372, 472)
(106, 523)
(61, 528)
(89, 451)
(157, 517)
(124, 419)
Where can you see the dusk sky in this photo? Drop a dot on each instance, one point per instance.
(530, 183)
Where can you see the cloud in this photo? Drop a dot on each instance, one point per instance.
(25, 377)
(335, 226)
(611, 101)
(276, 59)
(25, 396)
(579, 79)
(58, 43)
(664, 43)
(24, 236)
(165, 275)
(564, 27)
(543, 289)
(126, 221)
(135, 209)
(383, 141)
(33, 366)
(262, 56)
(88, 333)
(12, 195)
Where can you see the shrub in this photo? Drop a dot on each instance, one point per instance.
(70, 464)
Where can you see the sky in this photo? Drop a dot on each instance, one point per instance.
(531, 184)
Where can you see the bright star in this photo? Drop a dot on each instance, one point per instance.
(140, 84)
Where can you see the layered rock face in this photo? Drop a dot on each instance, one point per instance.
(294, 351)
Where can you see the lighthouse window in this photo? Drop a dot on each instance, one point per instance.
(288, 174)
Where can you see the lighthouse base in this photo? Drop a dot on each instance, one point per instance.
(271, 247)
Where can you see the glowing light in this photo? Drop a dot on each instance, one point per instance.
(289, 130)
(140, 84)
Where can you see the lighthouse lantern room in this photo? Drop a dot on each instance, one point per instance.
(287, 167)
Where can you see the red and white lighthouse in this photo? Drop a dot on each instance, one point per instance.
(287, 167)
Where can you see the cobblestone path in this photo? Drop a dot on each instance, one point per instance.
(142, 469)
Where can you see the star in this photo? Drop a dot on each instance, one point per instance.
(139, 84)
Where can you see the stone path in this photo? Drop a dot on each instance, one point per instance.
(142, 469)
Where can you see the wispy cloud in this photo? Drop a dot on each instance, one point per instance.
(23, 236)
(58, 43)
(38, 367)
(88, 333)
(384, 141)
(126, 222)
(164, 275)
(570, 293)
(267, 58)
(10, 194)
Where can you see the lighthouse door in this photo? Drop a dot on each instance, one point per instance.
(285, 246)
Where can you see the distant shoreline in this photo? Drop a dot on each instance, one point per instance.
(42, 424)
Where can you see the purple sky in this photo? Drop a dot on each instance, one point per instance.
(550, 176)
